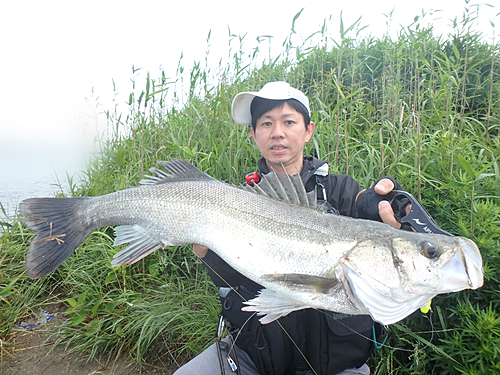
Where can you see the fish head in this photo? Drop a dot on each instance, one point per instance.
(392, 276)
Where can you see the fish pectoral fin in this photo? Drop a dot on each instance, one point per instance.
(140, 244)
(272, 306)
(295, 280)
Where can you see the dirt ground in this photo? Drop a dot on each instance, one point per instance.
(34, 354)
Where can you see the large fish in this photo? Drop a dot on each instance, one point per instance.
(302, 256)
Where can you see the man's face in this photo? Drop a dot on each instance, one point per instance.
(281, 135)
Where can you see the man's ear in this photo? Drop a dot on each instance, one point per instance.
(309, 131)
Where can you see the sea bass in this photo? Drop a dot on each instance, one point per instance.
(303, 257)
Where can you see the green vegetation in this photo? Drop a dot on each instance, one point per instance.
(420, 107)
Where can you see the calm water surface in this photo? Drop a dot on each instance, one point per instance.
(26, 176)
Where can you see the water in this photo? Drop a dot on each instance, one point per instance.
(41, 174)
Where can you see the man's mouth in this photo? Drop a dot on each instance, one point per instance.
(277, 148)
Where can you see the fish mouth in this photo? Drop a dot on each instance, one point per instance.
(465, 269)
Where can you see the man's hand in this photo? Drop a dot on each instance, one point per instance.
(199, 250)
(385, 211)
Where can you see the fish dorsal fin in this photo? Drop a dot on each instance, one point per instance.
(284, 187)
(174, 170)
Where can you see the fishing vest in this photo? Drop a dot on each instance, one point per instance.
(325, 341)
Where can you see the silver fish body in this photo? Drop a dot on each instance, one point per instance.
(301, 256)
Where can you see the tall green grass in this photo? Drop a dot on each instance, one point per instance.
(420, 107)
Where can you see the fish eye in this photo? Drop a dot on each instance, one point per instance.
(428, 249)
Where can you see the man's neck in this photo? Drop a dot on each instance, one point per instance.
(293, 169)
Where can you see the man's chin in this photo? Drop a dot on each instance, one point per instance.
(278, 161)
(278, 155)
(279, 164)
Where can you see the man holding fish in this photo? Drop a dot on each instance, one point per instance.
(340, 344)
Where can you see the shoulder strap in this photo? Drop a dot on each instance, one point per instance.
(322, 181)
(323, 187)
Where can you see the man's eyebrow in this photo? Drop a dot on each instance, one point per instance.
(290, 114)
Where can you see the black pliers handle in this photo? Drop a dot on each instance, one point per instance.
(418, 218)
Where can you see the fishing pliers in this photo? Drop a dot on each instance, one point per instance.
(418, 219)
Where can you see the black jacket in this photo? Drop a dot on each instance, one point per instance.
(326, 341)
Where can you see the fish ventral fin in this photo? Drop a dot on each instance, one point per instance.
(284, 187)
(175, 169)
(271, 306)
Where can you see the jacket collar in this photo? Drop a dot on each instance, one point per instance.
(310, 167)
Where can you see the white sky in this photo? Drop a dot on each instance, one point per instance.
(54, 54)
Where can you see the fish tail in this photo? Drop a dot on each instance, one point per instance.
(59, 228)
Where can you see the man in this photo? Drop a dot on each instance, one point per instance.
(307, 341)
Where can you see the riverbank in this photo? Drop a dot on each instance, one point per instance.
(34, 352)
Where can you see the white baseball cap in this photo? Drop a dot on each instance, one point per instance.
(272, 90)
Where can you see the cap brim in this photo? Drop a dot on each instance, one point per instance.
(241, 107)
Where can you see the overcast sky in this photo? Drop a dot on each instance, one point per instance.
(58, 57)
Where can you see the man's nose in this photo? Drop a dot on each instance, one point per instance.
(278, 131)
